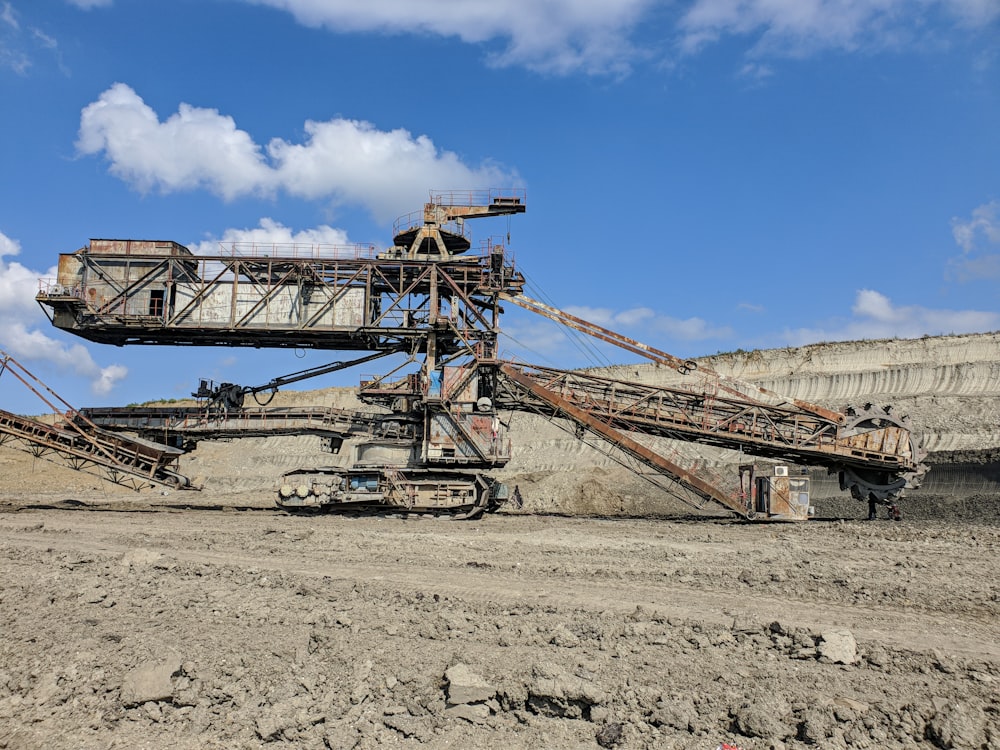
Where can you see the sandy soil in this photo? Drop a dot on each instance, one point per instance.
(219, 627)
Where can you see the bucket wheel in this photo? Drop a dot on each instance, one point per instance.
(882, 486)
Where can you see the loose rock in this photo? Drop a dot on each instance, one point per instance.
(838, 646)
(149, 682)
(465, 686)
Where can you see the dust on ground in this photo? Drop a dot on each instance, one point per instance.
(143, 624)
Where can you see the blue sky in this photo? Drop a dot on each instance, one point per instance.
(702, 175)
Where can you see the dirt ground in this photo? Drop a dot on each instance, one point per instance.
(138, 623)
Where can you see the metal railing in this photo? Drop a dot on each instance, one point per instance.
(482, 197)
(298, 250)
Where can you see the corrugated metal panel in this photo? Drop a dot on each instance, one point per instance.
(282, 307)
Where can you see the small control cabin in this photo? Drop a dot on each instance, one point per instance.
(775, 493)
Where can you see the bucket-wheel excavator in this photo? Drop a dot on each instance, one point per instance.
(435, 431)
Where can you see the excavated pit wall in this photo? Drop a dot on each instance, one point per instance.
(948, 386)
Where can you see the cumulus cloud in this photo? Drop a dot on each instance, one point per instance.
(193, 148)
(18, 285)
(535, 339)
(555, 36)
(348, 161)
(802, 27)
(22, 336)
(979, 239)
(270, 233)
(601, 38)
(876, 317)
(386, 171)
(608, 318)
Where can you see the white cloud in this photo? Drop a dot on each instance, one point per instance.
(974, 12)
(755, 71)
(984, 224)
(803, 27)
(974, 268)
(598, 37)
(979, 239)
(634, 317)
(348, 161)
(387, 171)
(557, 36)
(601, 37)
(876, 317)
(9, 246)
(192, 148)
(607, 318)
(689, 329)
(534, 339)
(270, 233)
(21, 335)
(44, 39)
(108, 378)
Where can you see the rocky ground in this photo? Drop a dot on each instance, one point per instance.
(249, 628)
(605, 614)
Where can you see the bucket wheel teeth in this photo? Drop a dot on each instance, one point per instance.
(881, 486)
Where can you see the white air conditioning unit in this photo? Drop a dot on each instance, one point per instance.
(781, 471)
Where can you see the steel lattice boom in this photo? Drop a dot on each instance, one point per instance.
(127, 292)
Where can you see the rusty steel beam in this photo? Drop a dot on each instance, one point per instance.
(85, 446)
(117, 458)
(733, 386)
(588, 420)
(200, 423)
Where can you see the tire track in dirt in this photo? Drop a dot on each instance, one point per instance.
(953, 634)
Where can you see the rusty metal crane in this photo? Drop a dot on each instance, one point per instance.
(438, 433)
(439, 230)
